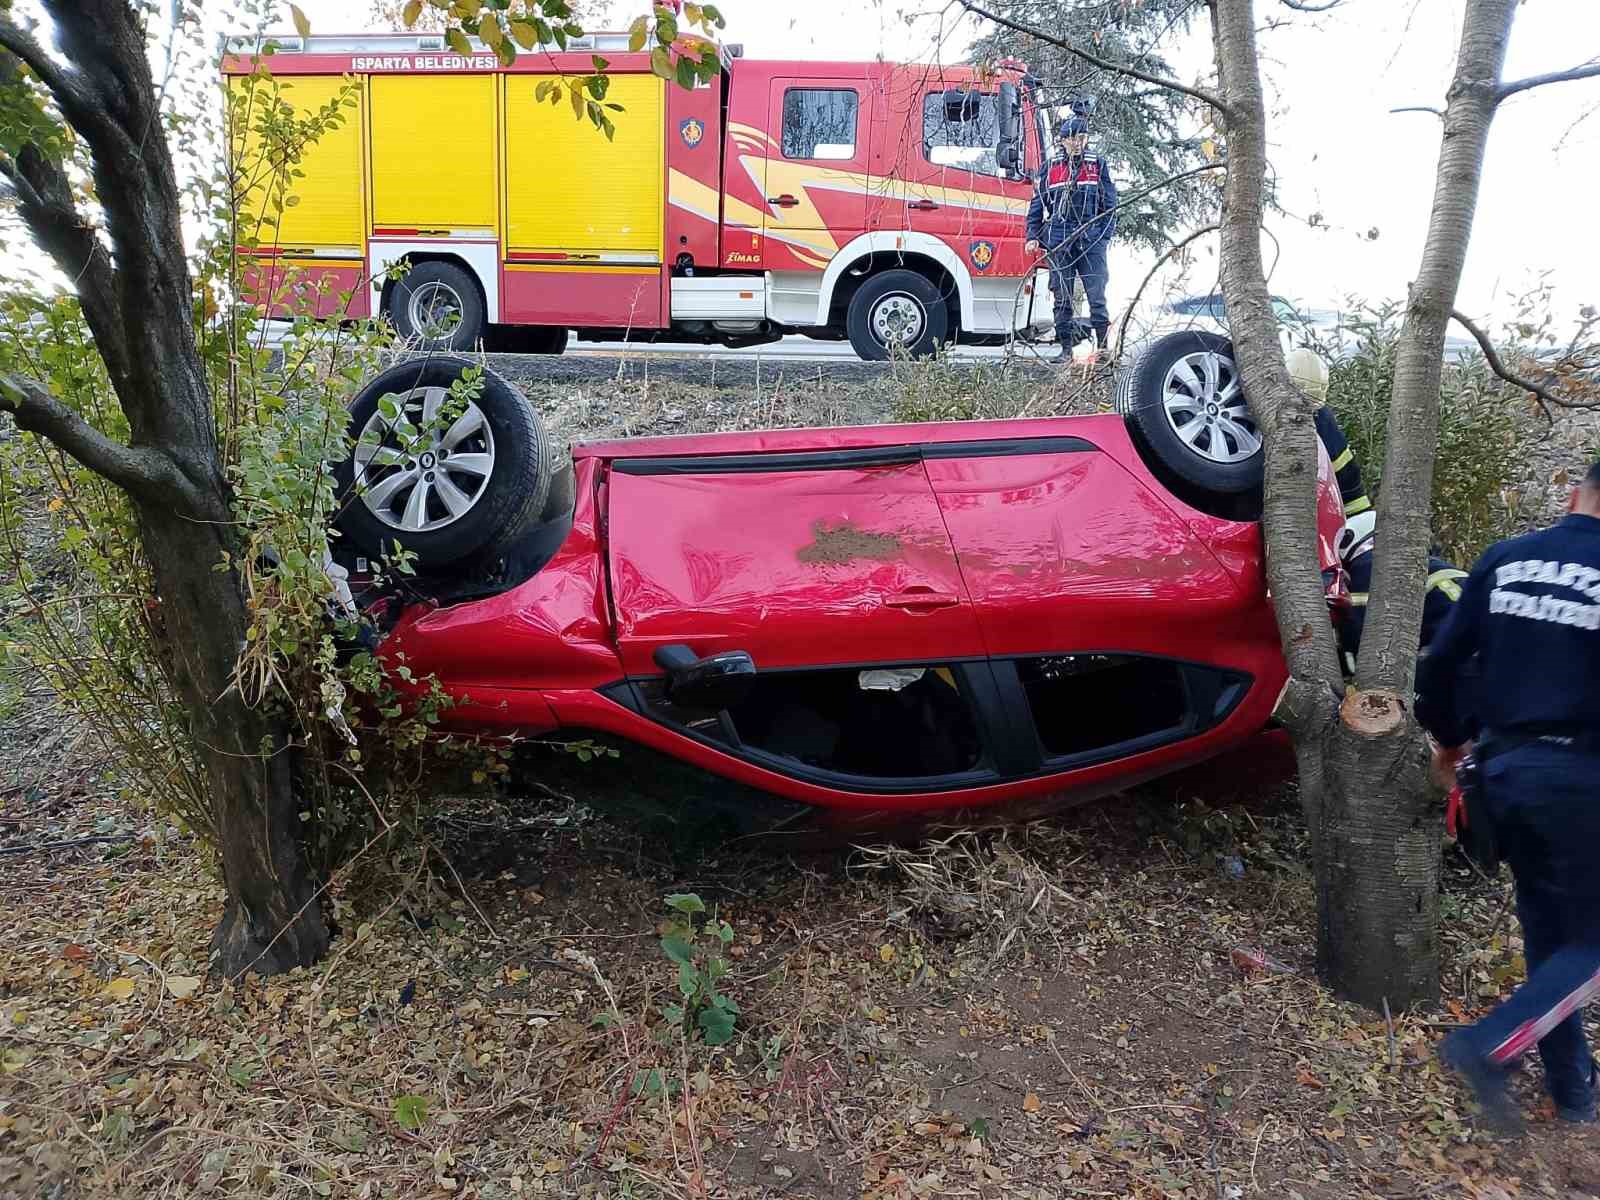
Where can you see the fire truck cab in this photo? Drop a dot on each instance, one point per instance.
(874, 202)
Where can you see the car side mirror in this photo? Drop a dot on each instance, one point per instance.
(714, 683)
(1008, 152)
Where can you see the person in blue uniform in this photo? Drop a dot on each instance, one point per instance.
(1528, 621)
(1441, 591)
(1071, 219)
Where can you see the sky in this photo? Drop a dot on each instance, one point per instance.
(1337, 148)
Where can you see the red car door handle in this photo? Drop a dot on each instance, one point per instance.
(783, 201)
(922, 598)
(922, 205)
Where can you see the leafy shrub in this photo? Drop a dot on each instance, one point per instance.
(92, 625)
(1482, 445)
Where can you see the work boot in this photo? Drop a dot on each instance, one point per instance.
(1488, 1083)
(1580, 1114)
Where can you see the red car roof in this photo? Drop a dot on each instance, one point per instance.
(1096, 429)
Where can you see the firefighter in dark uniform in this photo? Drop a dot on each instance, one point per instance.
(1528, 623)
(1070, 218)
(1310, 375)
(1442, 590)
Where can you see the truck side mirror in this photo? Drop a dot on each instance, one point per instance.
(1008, 153)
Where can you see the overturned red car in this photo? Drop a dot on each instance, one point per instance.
(878, 618)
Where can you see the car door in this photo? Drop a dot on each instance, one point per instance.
(835, 572)
(1111, 627)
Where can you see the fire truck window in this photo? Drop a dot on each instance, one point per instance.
(819, 124)
(963, 136)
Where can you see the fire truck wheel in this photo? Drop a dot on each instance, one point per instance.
(438, 307)
(897, 310)
(452, 478)
(1184, 403)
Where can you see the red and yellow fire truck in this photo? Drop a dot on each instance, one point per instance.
(876, 202)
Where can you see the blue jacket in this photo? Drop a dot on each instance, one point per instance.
(1070, 203)
(1530, 614)
(1439, 601)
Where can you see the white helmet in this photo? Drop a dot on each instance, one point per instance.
(1309, 372)
(1356, 536)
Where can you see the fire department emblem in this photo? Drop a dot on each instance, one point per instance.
(982, 254)
(692, 131)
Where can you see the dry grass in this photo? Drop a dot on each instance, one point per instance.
(1045, 1010)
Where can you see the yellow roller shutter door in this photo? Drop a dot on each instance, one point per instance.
(433, 151)
(570, 189)
(328, 209)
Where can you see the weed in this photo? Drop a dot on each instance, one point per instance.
(700, 967)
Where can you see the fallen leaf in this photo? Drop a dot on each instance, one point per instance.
(1030, 1102)
(73, 952)
(183, 986)
(120, 988)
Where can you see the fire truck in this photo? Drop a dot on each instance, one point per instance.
(874, 202)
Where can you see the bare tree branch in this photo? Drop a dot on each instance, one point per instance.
(1170, 253)
(132, 468)
(46, 207)
(1542, 393)
(78, 103)
(1201, 94)
(1302, 6)
(1438, 112)
(1587, 71)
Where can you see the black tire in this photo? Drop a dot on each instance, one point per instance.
(897, 297)
(505, 488)
(437, 306)
(546, 340)
(1177, 381)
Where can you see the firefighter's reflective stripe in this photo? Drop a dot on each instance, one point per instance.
(1344, 460)
(1359, 505)
(1446, 581)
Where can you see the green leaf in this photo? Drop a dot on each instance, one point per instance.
(660, 64)
(410, 1111)
(724, 932)
(685, 73)
(527, 37)
(666, 30)
(600, 64)
(577, 101)
(688, 979)
(301, 25)
(489, 31)
(686, 902)
(560, 36)
(637, 32)
(675, 947)
(673, 1013)
(413, 10)
(457, 41)
(717, 1025)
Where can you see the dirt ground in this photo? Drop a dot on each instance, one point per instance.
(1112, 1001)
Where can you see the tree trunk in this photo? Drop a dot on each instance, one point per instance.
(1394, 621)
(273, 920)
(138, 301)
(1362, 774)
